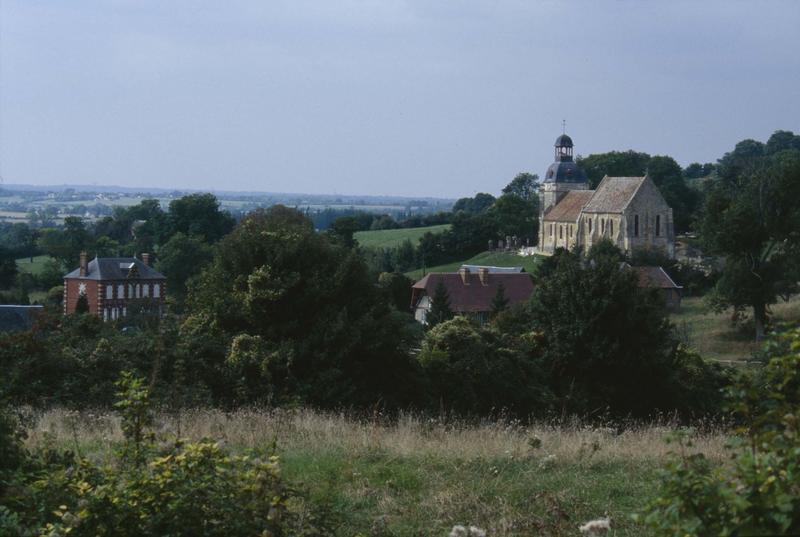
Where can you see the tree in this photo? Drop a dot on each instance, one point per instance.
(8, 268)
(751, 218)
(606, 343)
(614, 163)
(181, 258)
(669, 178)
(66, 244)
(200, 214)
(515, 217)
(477, 205)
(342, 230)
(525, 185)
(440, 307)
(500, 300)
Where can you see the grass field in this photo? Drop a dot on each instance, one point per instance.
(714, 337)
(391, 238)
(36, 267)
(420, 476)
(494, 259)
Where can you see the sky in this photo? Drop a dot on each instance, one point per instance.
(385, 97)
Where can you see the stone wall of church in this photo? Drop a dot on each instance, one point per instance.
(649, 221)
(558, 235)
(598, 226)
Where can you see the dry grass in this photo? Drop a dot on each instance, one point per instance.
(418, 476)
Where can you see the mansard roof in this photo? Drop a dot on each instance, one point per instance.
(570, 206)
(613, 194)
(117, 268)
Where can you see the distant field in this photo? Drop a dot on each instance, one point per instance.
(494, 259)
(713, 336)
(36, 267)
(390, 238)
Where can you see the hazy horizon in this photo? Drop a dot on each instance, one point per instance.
(379, 98)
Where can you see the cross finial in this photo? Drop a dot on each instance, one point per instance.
(563, 126)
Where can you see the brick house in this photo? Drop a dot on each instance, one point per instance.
(471, 290)
(112, 284)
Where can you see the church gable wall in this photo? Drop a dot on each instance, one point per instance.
(648, 221)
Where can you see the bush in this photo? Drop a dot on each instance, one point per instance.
(758, 492)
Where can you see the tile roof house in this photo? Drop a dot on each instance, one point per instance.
(630, 211)
(112, 284)
(471, 290)
(657, 278)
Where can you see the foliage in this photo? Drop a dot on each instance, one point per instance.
(606, 343)
(524, 185)
(440, 306)
(757, 492)
(614, 163)
(475, 370)
(199, 214)
(181, 258)
(751, 218)
(476, 205)
(500, 300)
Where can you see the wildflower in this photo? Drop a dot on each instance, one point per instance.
(458, 531)
(476, 532)
(596, 528)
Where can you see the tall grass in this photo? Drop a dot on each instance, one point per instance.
(414, 475)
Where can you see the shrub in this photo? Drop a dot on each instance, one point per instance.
(758, 492)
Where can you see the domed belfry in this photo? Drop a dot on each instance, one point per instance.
(629, 211)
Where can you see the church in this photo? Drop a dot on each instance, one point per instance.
(630, 211)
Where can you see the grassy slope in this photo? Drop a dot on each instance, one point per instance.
(24, 264)
(495, 259)
(420, 476)
(712, 334)
(390, 238)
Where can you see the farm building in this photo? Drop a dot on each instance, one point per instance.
(471, 290)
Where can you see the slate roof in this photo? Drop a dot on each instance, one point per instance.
(563, 141)
(613, 194)
(18, 318)
(117, 268)
(493, 270)
(570, 206)
(475, 297)
(655, 278)
(564, 171)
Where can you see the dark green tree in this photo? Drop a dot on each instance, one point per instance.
(181, 258)
(8, 268)
(752, 219)
(440, 306)
(477, 205)
(614, 163)
(66, 244)
(515, 216)
(199, 214)
(343, 229)
(525, 185)
(500, 300)
(669, 178)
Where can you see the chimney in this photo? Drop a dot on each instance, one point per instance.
(84, 265)
(146, 258)
(464, 273)
(483, 274)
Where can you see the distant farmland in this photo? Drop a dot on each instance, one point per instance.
(391, 238)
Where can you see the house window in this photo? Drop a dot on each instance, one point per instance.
(130, 290)
(658, 225)
(146, 290)
(636, 225)
(121, 290)
(138, 290)
(109, 292)
(157, 290)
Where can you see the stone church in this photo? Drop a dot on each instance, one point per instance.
(628, 210)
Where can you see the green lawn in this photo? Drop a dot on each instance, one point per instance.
(493, 259)
(390, 238)
(714, 337)
(36, 267)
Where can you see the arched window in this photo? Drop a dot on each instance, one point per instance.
(590, 225)
(157, 290)
(636, 225)
(610, 227)
(602, 225)
(658, 225)
(109, 292)
(560, 232)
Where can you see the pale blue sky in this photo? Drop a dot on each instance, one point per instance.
(379, 97)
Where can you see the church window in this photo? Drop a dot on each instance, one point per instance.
(636, 225)
(610, 227)
(590, 225)
(569, 230)
(602, 225)
(658, 225)
(551, 230)
(560, 232)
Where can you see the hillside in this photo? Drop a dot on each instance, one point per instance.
(494, 259)
(391, 238)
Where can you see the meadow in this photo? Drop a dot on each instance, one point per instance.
(416, 475)
(392, 238)
(494, 259)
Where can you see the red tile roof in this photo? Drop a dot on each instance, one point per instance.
(570, 206)
(654, 277)
(476, 296)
